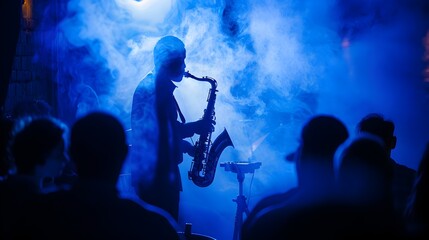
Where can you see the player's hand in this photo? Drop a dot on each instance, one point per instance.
(204, 126)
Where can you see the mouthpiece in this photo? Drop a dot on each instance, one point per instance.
(204, 79)
(187, 74)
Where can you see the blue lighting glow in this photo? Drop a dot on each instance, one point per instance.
(277, 63)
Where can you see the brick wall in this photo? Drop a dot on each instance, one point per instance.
(33, 78)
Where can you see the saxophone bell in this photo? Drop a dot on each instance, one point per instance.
(203, 175)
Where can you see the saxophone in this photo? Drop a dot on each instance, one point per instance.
(204, 163)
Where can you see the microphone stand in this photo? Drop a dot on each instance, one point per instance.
(241, 168)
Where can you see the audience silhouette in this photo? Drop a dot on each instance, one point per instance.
(36, 108)
(363, 171)
(403, 176)
(365, 204)
(37, 148)
(361, 206)
(92, 208)
(347, 187)
(320, 137)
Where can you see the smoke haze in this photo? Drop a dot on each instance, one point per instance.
(277, 63)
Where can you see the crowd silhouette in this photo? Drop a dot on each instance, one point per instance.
(91, 207)
(348, 185)
(359, 195)
(320, 137)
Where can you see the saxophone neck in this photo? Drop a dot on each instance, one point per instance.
(202, 79)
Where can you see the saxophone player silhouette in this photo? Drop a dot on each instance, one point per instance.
(155, 125)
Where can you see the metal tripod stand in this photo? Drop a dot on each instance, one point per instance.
(241, 168)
